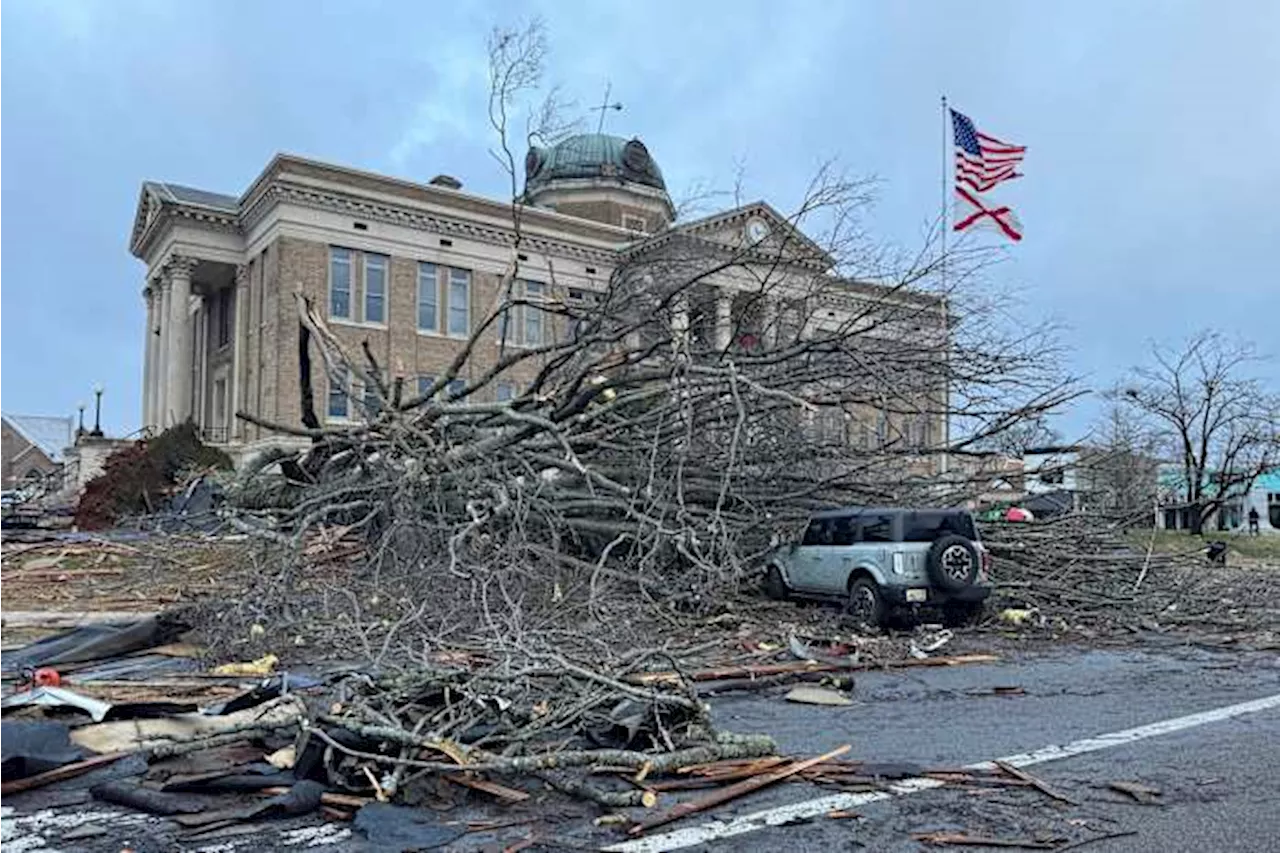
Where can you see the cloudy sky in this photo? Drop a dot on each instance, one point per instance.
(1150, 200)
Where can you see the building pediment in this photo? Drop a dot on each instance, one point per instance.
(160, 203)
(756, 231)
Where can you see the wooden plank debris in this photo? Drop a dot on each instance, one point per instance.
(817, 696)
(1038, 784)
(758, 670)
(732, 792)
(502, 792)
(1144, 794)
(965, 839)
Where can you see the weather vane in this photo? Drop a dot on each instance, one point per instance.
(606, 106)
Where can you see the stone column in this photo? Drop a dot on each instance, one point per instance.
(178, 394)
(238, 347)
(680, 323)
(160, 378)
(148, 351)
(769, 323)
(724, 318)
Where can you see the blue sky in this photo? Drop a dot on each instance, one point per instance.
(1149, 202)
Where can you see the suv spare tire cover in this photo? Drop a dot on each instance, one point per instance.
(940, 574)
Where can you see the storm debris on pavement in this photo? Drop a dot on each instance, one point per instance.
(738, 789)
(967, 840)
(1143, 794)
(817, 696)
(1079, 573)
(1035, 782)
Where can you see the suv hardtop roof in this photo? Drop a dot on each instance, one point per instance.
(844, 512)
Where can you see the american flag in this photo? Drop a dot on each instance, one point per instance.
(983, 161)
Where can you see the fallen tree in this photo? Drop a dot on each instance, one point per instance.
(664, 431)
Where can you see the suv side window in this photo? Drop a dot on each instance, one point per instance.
(844, 530)
(877, 528)
(817, 533)
(928, 526)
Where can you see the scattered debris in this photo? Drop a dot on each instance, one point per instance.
(135, 796)
(732, 792)
(759, 670)
(1079, 572)
(945, 838)
(262, 666)
(817, 696)
(32, 747)
(1144, 794)
(57, 697)
(97, 641)
(1038, 784)
(59, 774)
(399, 828)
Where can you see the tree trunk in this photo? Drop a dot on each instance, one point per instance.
(1196, 527)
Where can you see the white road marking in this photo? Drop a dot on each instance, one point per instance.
(813, 808)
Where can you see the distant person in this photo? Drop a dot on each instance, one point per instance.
(1253, 521)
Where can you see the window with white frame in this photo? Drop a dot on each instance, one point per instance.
(534, 318)
(339, 404)
(375, 288)
(339, 282)
(459, 303)
(506, 391)
(428, 298)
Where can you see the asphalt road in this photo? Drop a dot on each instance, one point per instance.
(1219, 781)
(1218, 778)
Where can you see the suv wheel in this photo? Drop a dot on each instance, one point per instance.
(865, 605)
(774, 586)
(953, 563)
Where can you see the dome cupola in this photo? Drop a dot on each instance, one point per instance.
(600, 177)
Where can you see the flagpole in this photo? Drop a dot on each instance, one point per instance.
(943, 462)
(945, 146)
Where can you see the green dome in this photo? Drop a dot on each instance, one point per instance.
(591, 155)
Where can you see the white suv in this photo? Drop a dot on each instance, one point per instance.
(881, 558)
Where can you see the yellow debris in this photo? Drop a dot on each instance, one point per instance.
(262, 666)
(1015, 616)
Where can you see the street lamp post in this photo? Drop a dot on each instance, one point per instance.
(80, 428)
(97, 411)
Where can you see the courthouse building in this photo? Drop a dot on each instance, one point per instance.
(410, 268)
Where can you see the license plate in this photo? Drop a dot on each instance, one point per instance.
(917, 595)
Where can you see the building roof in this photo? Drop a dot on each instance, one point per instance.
(50, 435)
(592, 155)
(190, 195)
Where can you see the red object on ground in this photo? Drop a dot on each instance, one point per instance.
(1017, 513)
(47, 676)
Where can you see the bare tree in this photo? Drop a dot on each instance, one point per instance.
(1120, 467)
(1217, 420)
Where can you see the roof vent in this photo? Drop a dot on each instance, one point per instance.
(448, 181)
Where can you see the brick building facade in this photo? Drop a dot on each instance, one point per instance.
(409, 269)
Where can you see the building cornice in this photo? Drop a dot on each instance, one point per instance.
(284, 191)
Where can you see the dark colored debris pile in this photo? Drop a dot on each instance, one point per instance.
(137, 480)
